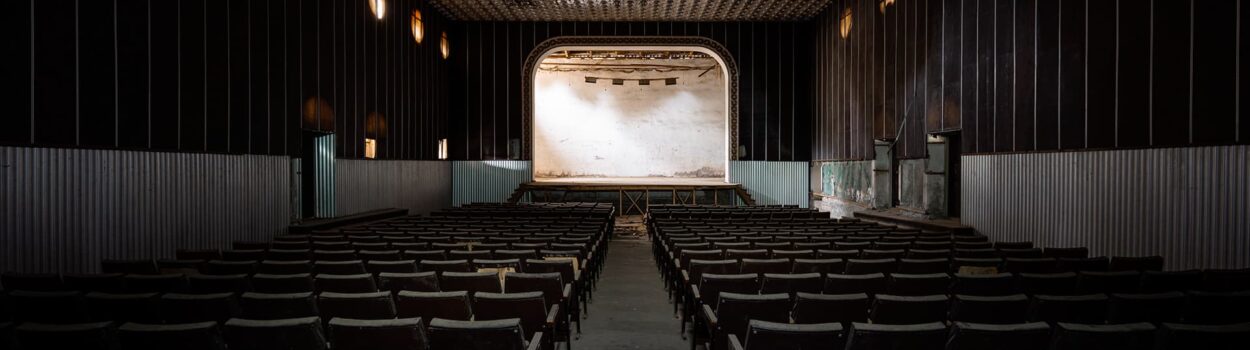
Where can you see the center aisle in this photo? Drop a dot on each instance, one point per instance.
(630, 309)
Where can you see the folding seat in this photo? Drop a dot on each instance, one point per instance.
(762, 266)
(431, 305)
(192, 308)
(397, 266)
(924, 336)
(1020, 336)
(339, 267)
(1088, 282)
(733, 313)
(468, 254)
(167, 266)
(35, 282)
(143, 307)
(155, 283)
(897, 309)
(870, 284)
(198, 254)
(1098, 264)
(284, 267)
(738, 254)
(944, 254)
(1067, 253)
(249, 245)
(1136, 263)
(360, 306)
(1028, 253)
(358, 283)
(371, 247)
(975, 265)
(277, 284)
(568, 270)
(404, 247)
(822, 308)
(1013, 245)
(889, 244)
(529, 307)
(521, 255)
(335, 255)
(243, 255)
(1178, 336)
(984, 284)
(48, 307)
(471, 282)
(441, 266)
(1167, 281)
(810, 246)
(711, 285)
(183, 336)
(986, 253)
(1154, 308)
(496, 265)
(333, 245)
(1218, 280)
(882, 254)
(289, 334)
(793, 254)
(764, 335)
(95, 282)
(973, 246)
(210, 284)
(930, 246)
(1091, 309)
(291, 245)
(554, 290)
(843, 250)
(394, 334)
(417, 281)
(1047, 283)
(222, 267)
(697, 268)
(822, 266)
(923, 266)
(137, 266)
(266, 306)
(1217, 307)
(919, 284)
(791, 283)
(422, 255)
(495, 335)
(289, 254)
(868, 266)
(1129, 336)
(1031, 265)
(1007, 309)
(77, 336)
(737, 245)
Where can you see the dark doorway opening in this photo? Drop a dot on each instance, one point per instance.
(317, 174)
(954, 148)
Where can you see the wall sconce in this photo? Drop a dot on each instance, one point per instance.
(885, 3)
(846, 23)
(371, 149)
(442, 149)
(443, 46)
(378, 7)
(418, 27)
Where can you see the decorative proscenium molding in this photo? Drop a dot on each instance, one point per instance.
(540, 52)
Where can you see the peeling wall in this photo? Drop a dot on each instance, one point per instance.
(845, 187)
(911, 184)
(605, 130)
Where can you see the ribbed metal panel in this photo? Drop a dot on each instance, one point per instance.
(1190, 205)
(325, 176)
(419, 186)
(773, 182)
(487, 180)
(66, 209)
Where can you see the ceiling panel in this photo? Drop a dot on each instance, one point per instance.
(630, 10)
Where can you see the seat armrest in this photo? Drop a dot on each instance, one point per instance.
(685, 276)
(552, 315)
(733, 342)
(694, 292)
(536, 342)
(710, 316)
(568, 290)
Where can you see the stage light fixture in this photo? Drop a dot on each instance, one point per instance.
(618, 81)
(670, 81)
(644, 82)
(591, 80)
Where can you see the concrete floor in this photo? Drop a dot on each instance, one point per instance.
(630, 309)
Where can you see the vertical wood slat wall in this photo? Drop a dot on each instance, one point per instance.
(1030, 75)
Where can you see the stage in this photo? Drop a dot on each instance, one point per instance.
(634, 195)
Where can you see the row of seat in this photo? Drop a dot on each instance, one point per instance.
(764, 335)
(307, 333)
(441, 253)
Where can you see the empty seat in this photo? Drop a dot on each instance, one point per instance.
(882, 254)
(793, 254)
(95, 282)
(290, 334)
(869, 266)
(421, 255)
(1090, 308)
(339, 267)
(1020, 336)
(48, 307)
(791, 283)
(35, 282)
(737, 254)
(289, 255)
(554, 290)
(1100, 263)
(923, 266)
(1222, 280)
(284, 267)
(293, 283)
(1013, 245)
(418, 281)
(211, 284)
(1130, 336)
(223, 267)
(521, 254)
(976, 265)
(455, 254)
(1136, 263)
(181, 336)
(1154, 308)
(823, 308)
(1031, 265)
(335, 255)
(142, 307)
(529, 307)
(924, 336)
(822, 266)
(194, 308)
(76, 336)
(944, 253)
(137, 266)
(472, 282)
(1217, 307)
(494, 335)
(441, 266)
(361, 306)
(1007, 309)
(841, 254)
(243, 255)
(897, 309)
(1088, 282)
(1178, 336)
(924, 284)
(1070, 253)
(1029, 253)
(762, 266)
(985, 253)
(198, 254)
(870, 284)
(359, 283)
(155, 283)
(1047, 283)
(394, 334)
(1167, 281)
(379, 255)
(984, 284)
(711, 285)
(735, 310)
(431, 305)
(395, 266)
(265, 306)
(249, 245)
(764, 335)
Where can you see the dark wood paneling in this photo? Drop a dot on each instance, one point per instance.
(17, 23)
(163, 85)
(1004, 76)
(1171, 98)
(1025, 68)
(1133, 129)
(217, 77)
(192, 92)
(1072, 117)
(1047, 83)
(55, 88)
(1215, 55)
(132, 74)
(1101, 84)
(97, 92)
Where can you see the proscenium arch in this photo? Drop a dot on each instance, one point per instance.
(701, 44)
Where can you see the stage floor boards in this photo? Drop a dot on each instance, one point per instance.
(630, 181)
